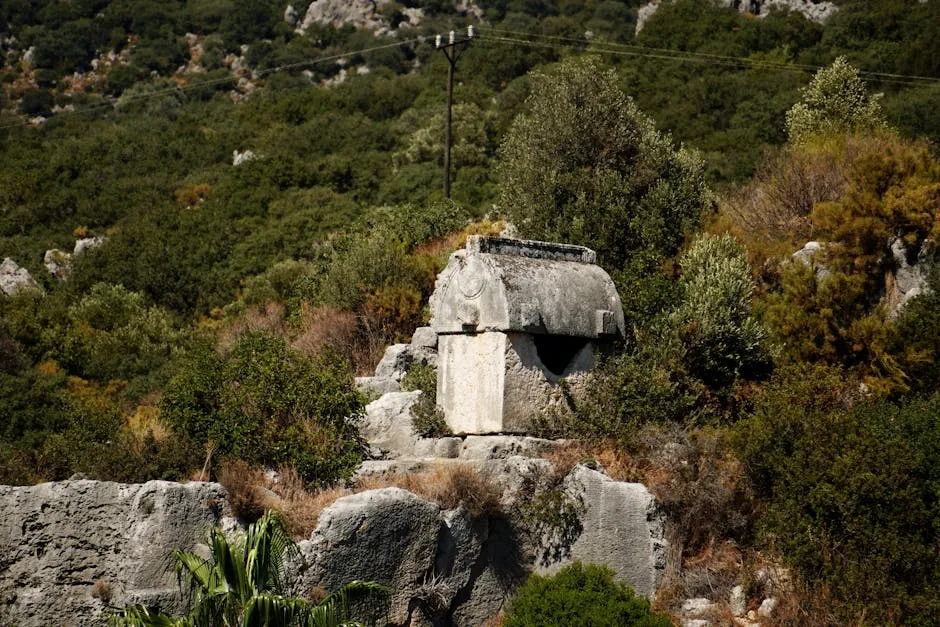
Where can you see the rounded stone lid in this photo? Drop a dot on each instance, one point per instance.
(500, 284)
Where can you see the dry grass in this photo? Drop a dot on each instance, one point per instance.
(268, 318)
(615, 460)
(251, 491)
(301, 507)
(102, 591)
(326, 327)
(248, 494)
(146, 420)
(448, 485)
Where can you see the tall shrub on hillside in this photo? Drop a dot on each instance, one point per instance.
(584, 165)
(723, 341)
(835, 101)
(834, 309)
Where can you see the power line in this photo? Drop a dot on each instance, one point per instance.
(532, 39)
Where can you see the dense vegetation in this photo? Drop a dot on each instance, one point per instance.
(580, 594)
(230, 305)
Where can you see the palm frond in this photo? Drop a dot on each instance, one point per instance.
(267, 542)
(367, 596)
(140, 616)
(273, 610)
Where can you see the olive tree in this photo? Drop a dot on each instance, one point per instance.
(583, 164)
(835, 101)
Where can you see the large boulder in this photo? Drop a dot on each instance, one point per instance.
(387, 535)
(14, 279)
(61, 542)
(387, 423)
(621, 527)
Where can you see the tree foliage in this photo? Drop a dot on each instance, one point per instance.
(582, 164)
(851, 490)
(723, 340)
(835, 101)
(263, 403)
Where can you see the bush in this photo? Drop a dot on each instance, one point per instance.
(851, 493)
(836, 101)
(267, 405)
(580, 595)
(723, 341)
(426, 417)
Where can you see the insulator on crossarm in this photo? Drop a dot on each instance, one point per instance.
(437, 41)
(451, 37)
(470, 31)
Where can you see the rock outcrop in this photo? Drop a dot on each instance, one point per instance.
(816, 11)
(398, 360)
(912, 266)
(14, 279)
(59, 540)
(621, 528)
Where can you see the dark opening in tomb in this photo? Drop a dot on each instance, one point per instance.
(558, 351)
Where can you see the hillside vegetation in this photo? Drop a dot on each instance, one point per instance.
(236, 293)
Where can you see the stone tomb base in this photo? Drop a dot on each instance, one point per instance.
(496, 382)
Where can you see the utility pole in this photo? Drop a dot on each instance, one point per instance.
(451, 50)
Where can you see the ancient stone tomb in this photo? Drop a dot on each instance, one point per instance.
(515, 319)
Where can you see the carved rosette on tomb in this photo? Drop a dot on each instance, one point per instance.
(518, 322)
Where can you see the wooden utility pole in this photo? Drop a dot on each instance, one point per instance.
(452, 49)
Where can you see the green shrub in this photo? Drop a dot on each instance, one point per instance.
(646, 384)
(267, 405)
(580, 595)
(426, 417)
(836, 101)
(723, 340)
(917, 337)
(851, 493)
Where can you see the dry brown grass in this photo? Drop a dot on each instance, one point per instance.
(102, 591)
(268, 318)
(251, 492)
(248, 494)
(617, 462)
(326, 327)
(301, 507)
(448, 485)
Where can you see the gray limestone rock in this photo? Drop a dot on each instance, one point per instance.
(291, 16)
(388, 535)
(424, 337)
(87, 243)
(912, 266)
(621, 527)
(818, 11)
(377, 386)
(58, 539)
(395, 362)
(737, 601)
(57, 263)
(14, 279)
(503, 446)
(387, 423)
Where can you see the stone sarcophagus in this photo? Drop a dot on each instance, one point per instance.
(515, 319)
